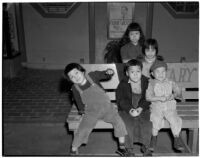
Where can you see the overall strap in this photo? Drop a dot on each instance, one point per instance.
(78, 88)
(92, 82)
(89, 79)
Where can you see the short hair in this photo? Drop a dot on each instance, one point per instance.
(132, 62)
(70, 67)
(150, 42)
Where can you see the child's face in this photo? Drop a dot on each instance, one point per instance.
(76, 76)
(160, 73)
(134, 36)
(134, 73)
(150, 52)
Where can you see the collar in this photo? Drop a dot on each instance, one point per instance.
(129, 81)
(149, 60)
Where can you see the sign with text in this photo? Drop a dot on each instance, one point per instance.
(185, 74)
(120, 15)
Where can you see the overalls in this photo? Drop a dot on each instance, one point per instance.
(97, 107)
(167, 110)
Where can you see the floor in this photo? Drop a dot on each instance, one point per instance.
(55, 140)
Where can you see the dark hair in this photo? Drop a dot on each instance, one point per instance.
(113, 52)
(150, 42)
(153, 43)
(133, 62)
(72, 66)
(132, 27)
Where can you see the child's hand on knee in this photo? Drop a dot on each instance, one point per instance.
(163, 99)
(133, 112)
(139, 110)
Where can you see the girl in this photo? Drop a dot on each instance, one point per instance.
(133, 39)
(133, 107)
(150, 55)
(94, 104)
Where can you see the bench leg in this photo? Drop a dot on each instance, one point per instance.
(193, 139)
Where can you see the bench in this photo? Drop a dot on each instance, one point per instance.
(185, 74)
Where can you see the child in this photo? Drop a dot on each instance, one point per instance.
(150, 55)
(161, 93)
(133, 39)
(94, 104)
(133, 107)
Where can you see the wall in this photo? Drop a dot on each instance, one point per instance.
(56, 40)
(177, 37)
(59, 41)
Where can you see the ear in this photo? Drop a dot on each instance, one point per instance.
(127, 73)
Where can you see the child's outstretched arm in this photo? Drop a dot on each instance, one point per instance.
(102, 75)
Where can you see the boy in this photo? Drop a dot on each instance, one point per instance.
(161, 93)
(133, 107)
(94, 104)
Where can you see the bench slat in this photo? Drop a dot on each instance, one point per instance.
(190, 94)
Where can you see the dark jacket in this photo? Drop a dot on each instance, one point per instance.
(124, 95)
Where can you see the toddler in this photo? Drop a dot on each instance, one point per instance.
(161, 93)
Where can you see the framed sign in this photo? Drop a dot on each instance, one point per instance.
(120, 15)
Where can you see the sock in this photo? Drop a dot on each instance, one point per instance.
(74, 149)
(122, 146)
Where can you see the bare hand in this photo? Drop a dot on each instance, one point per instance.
(139, 110)
(110, 72)
(133, 112)
(162, 99)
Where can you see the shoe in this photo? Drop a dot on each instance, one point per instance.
(124, 152)
(146, 151)
(153, 143)
(178, 144)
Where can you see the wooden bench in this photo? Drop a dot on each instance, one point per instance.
(185, 74)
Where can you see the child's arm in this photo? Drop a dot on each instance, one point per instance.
(150, 96)
(177, 93)
(123, 103)
(79, 103)
(102, 75)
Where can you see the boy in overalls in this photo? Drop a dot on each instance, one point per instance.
(94, 105)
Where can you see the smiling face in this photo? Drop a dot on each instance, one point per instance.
(77, 76)
(160, 73)
(134, 73)
(150, 52)
(134, 36)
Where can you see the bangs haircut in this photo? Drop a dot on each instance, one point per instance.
(70, 67)
(150, 43)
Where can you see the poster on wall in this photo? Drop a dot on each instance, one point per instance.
(119, 16)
